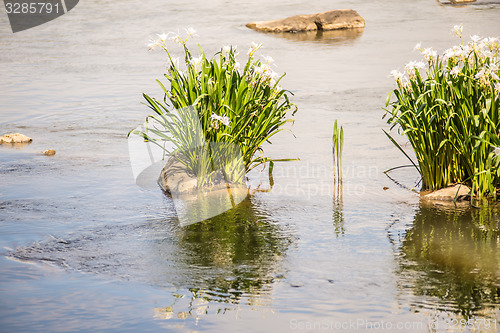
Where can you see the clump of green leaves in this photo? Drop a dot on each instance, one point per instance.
(234, 104)
(451, 116)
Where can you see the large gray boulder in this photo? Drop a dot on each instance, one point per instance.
(331, 20)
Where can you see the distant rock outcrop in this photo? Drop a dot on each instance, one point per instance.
(331, 20)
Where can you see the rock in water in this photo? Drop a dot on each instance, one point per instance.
(194, 203)
(49, 152)
(449, 193)
(331, 20)
(15, 138)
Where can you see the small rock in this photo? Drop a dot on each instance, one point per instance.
(49, 152)
(15, 138)
(385, 188)
(331, 20)
(449, 193)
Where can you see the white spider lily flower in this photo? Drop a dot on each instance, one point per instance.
(226, 49)
(190, 31)
(458, 30)
(448, 54)
(487, 54)
(237, 66)
(412, 65)
(152, 44)
(397, 75)
(410, 68)
(493, 67)
(176, 38)
(497, 87)
(163, 37)
(196, 62)
(475, 38)
(465, 49)
(268, 59)
(480, 74)
(429, 54)
(455, 71)
(223, 119)
(490, 43)
(418, 46)
(253, 47)
(419, 65)
(259, 70)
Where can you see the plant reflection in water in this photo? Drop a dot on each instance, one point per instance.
(453, 254)
(234, 258)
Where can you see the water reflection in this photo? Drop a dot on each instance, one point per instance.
(338, 209)
(343, 36)
(452, 255)
(235, 252)
(228, 261)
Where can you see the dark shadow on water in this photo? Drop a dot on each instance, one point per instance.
(453, 255)
(344, 36)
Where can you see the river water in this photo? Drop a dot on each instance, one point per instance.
(85, 249)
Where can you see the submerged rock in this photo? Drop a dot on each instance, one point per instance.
(458, 191)
(49, 152)
(195, 202)
(331, 20)
(175, 177)
(15, 138)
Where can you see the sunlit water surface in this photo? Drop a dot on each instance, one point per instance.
(84, 249)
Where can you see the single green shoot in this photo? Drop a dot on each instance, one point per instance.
(337, 146)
